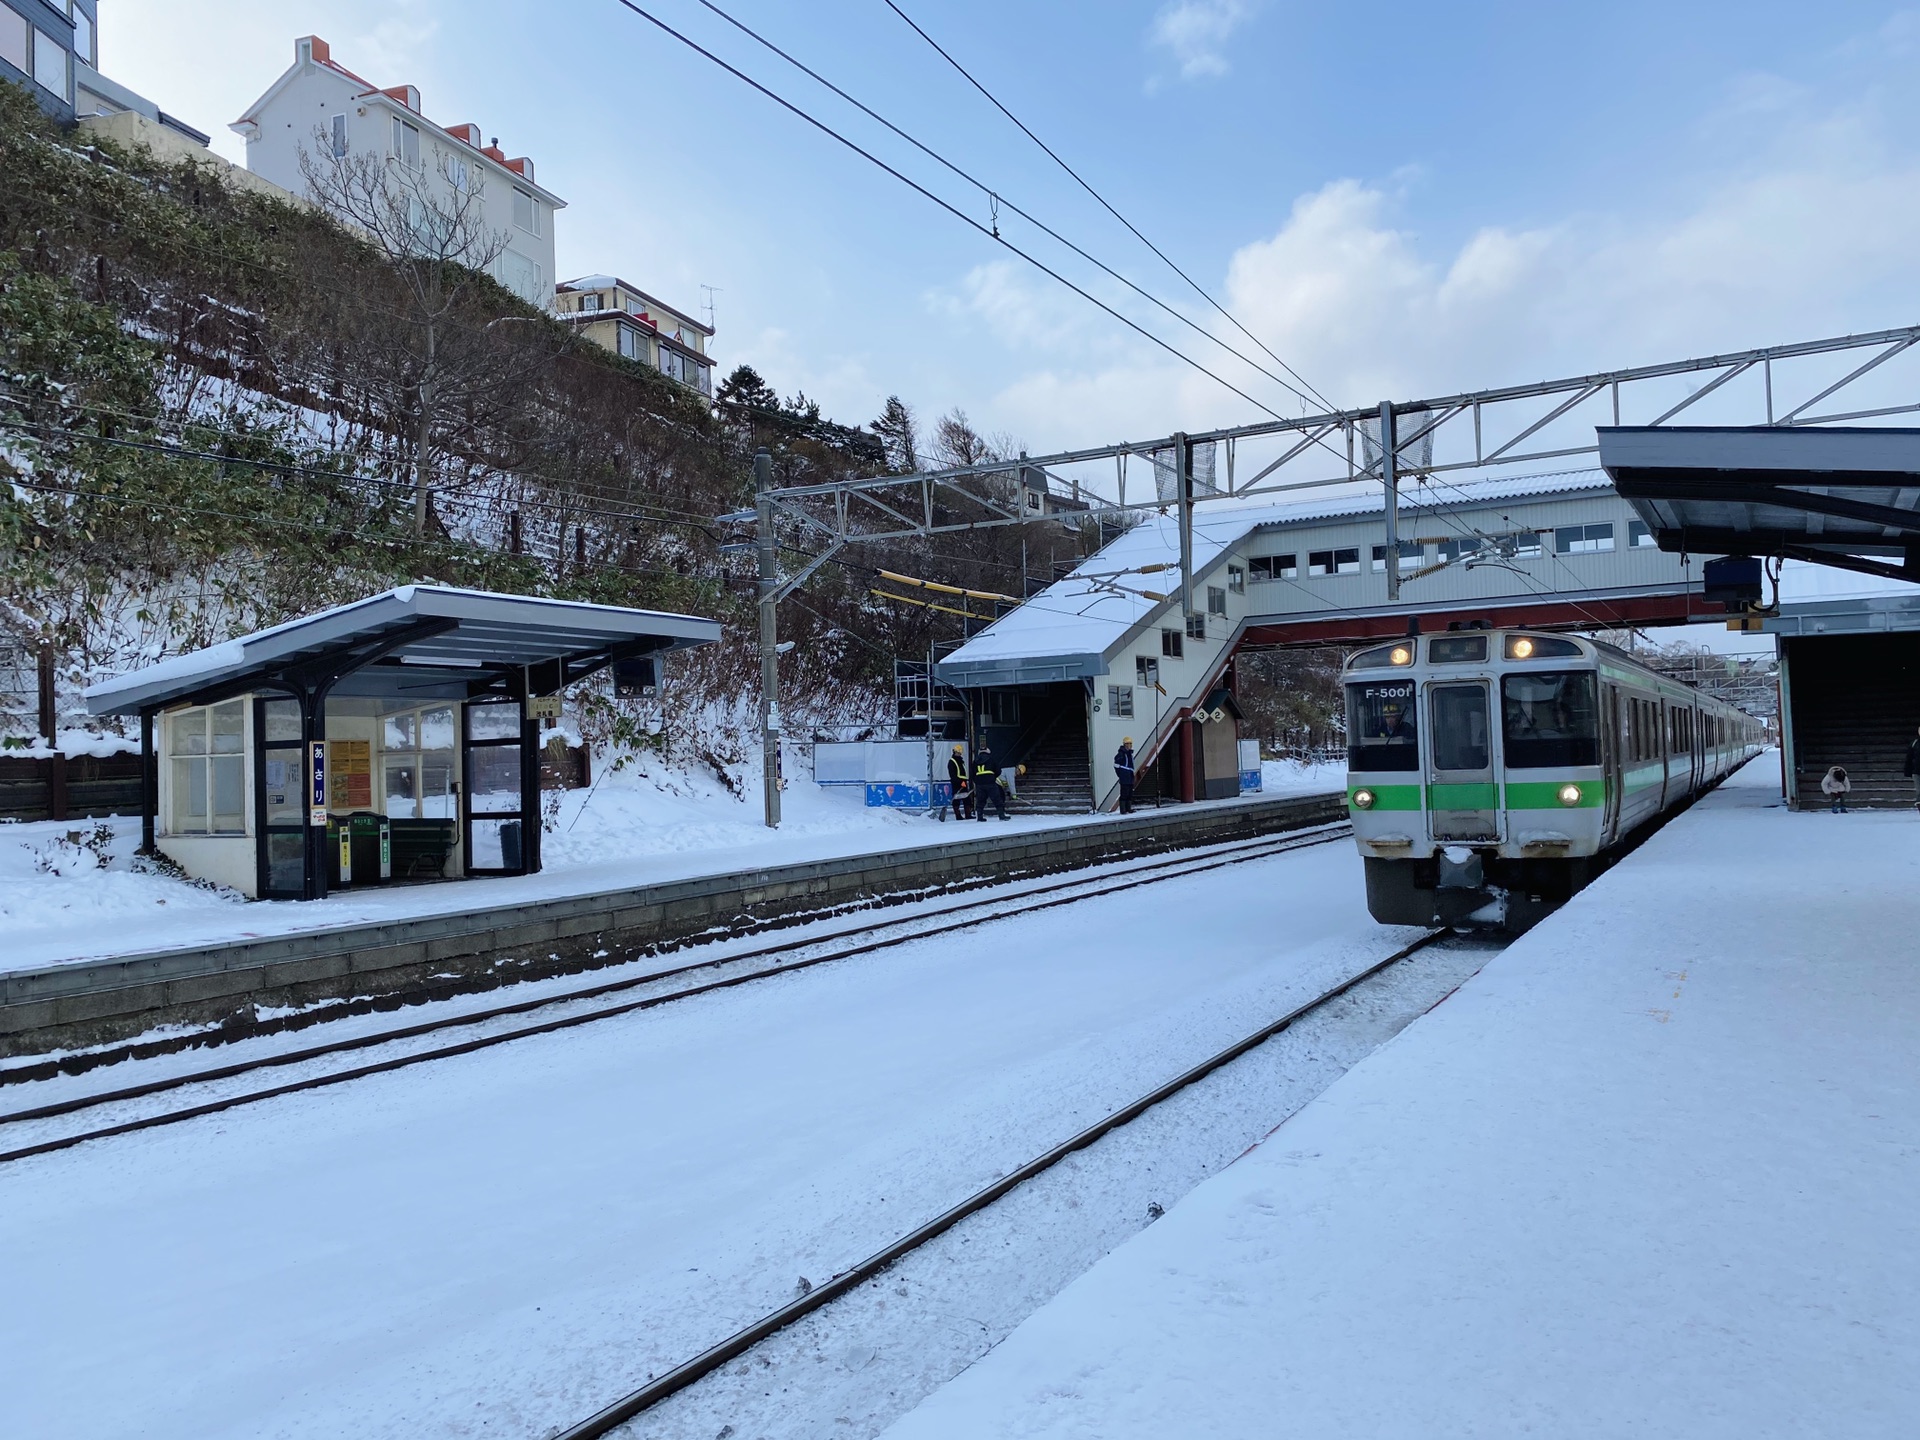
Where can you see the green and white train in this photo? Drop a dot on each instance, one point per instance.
(1493, 773)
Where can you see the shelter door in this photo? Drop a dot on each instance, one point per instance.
(280, 799)
(494, 813)
(1462, 799)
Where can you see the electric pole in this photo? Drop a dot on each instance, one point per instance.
(769, 638)
(1389, 473)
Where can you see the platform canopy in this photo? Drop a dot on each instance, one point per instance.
(1829, 496)
(417, 642)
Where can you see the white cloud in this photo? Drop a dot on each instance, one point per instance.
(1196, 32)
(1808, 234)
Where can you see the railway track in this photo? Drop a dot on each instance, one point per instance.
(630, 1406)
(721, 972)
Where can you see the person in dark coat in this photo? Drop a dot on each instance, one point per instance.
(1913, 768)
(987, 789)
(1123, 770)
(957, 781)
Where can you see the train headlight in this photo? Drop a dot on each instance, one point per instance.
(1521, 648)
(1363, 799)
(1401, 655)
(1569, 794)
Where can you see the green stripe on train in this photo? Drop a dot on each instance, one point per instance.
(1545, 795)
(1389, 797)
(1483, 795)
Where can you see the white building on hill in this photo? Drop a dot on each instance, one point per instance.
(320, 104)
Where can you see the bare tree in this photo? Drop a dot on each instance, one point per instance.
(430, 226)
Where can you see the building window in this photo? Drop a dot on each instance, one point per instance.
(1216, 600)
(339, 136)
(1526, 544)
(458, 174)
(1334, 562)
(1003, 707)
(16, 41)
(1146, 671)
(1583, 539)
(1409, 556)
(406, 143)
(1639, 535)
(1120, 701)
(1172, 644)
(1452, 550)
(205, 753)
(1196, 627)
(590, 302)
(51, 64)
(1236, 580)
(526, 213)
(632, 345)
(82, 36)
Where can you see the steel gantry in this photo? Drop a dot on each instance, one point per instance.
(1393, 444)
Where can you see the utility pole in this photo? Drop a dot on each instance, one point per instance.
(1390, 474)
(769, 637)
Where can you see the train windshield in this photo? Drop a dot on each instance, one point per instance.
(1551, 719)
(1380, 726)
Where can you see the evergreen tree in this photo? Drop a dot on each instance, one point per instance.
(898, 433)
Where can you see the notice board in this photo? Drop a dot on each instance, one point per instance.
(350, 775)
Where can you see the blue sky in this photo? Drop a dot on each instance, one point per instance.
(1399, 199)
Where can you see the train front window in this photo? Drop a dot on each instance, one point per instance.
(1381, 734)
(1550, 719)
(1460, 729)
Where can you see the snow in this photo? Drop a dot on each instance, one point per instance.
(632, 828)
(500, 1242)
(1651, 1173)
(72, 743)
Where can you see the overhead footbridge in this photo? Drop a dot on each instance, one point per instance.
(1108, 651)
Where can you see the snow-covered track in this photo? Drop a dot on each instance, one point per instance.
(787, 957)
(690, 1372)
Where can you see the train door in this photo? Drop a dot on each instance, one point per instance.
(1613, 760)
(1462, 798)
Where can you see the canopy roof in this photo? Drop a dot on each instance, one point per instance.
(1831, 496)
(424, 642)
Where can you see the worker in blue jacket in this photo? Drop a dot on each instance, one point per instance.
(1123, 769)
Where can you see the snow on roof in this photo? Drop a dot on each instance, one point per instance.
(537, 621)
(1097, 606)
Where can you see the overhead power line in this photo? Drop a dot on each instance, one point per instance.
(948, 206)
(1052, 154)
(998, 199)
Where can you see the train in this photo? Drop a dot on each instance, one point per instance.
(1492, 773)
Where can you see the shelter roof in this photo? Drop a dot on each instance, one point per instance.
(1825, 494)
(1075, 622)
(415, 642)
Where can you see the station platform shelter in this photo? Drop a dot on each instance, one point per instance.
(386, 740)
(1650, 1173)
(1849, 696)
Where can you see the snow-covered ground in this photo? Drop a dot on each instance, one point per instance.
(501, 1242)
(1651, 1173)
(58, 902)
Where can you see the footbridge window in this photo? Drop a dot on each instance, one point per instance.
(1583, 539)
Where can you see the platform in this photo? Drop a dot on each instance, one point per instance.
(1654, 1172)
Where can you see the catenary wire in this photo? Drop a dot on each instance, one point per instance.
(946, 205)
(996, 196)
(1109, 208)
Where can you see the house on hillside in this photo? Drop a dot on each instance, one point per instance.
(320, 105)
(52, 47)
(621, 317)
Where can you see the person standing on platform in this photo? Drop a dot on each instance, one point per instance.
(1835, 785)
(957, 780)
(987, 789)
(1913, 768)
(1123, 769)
